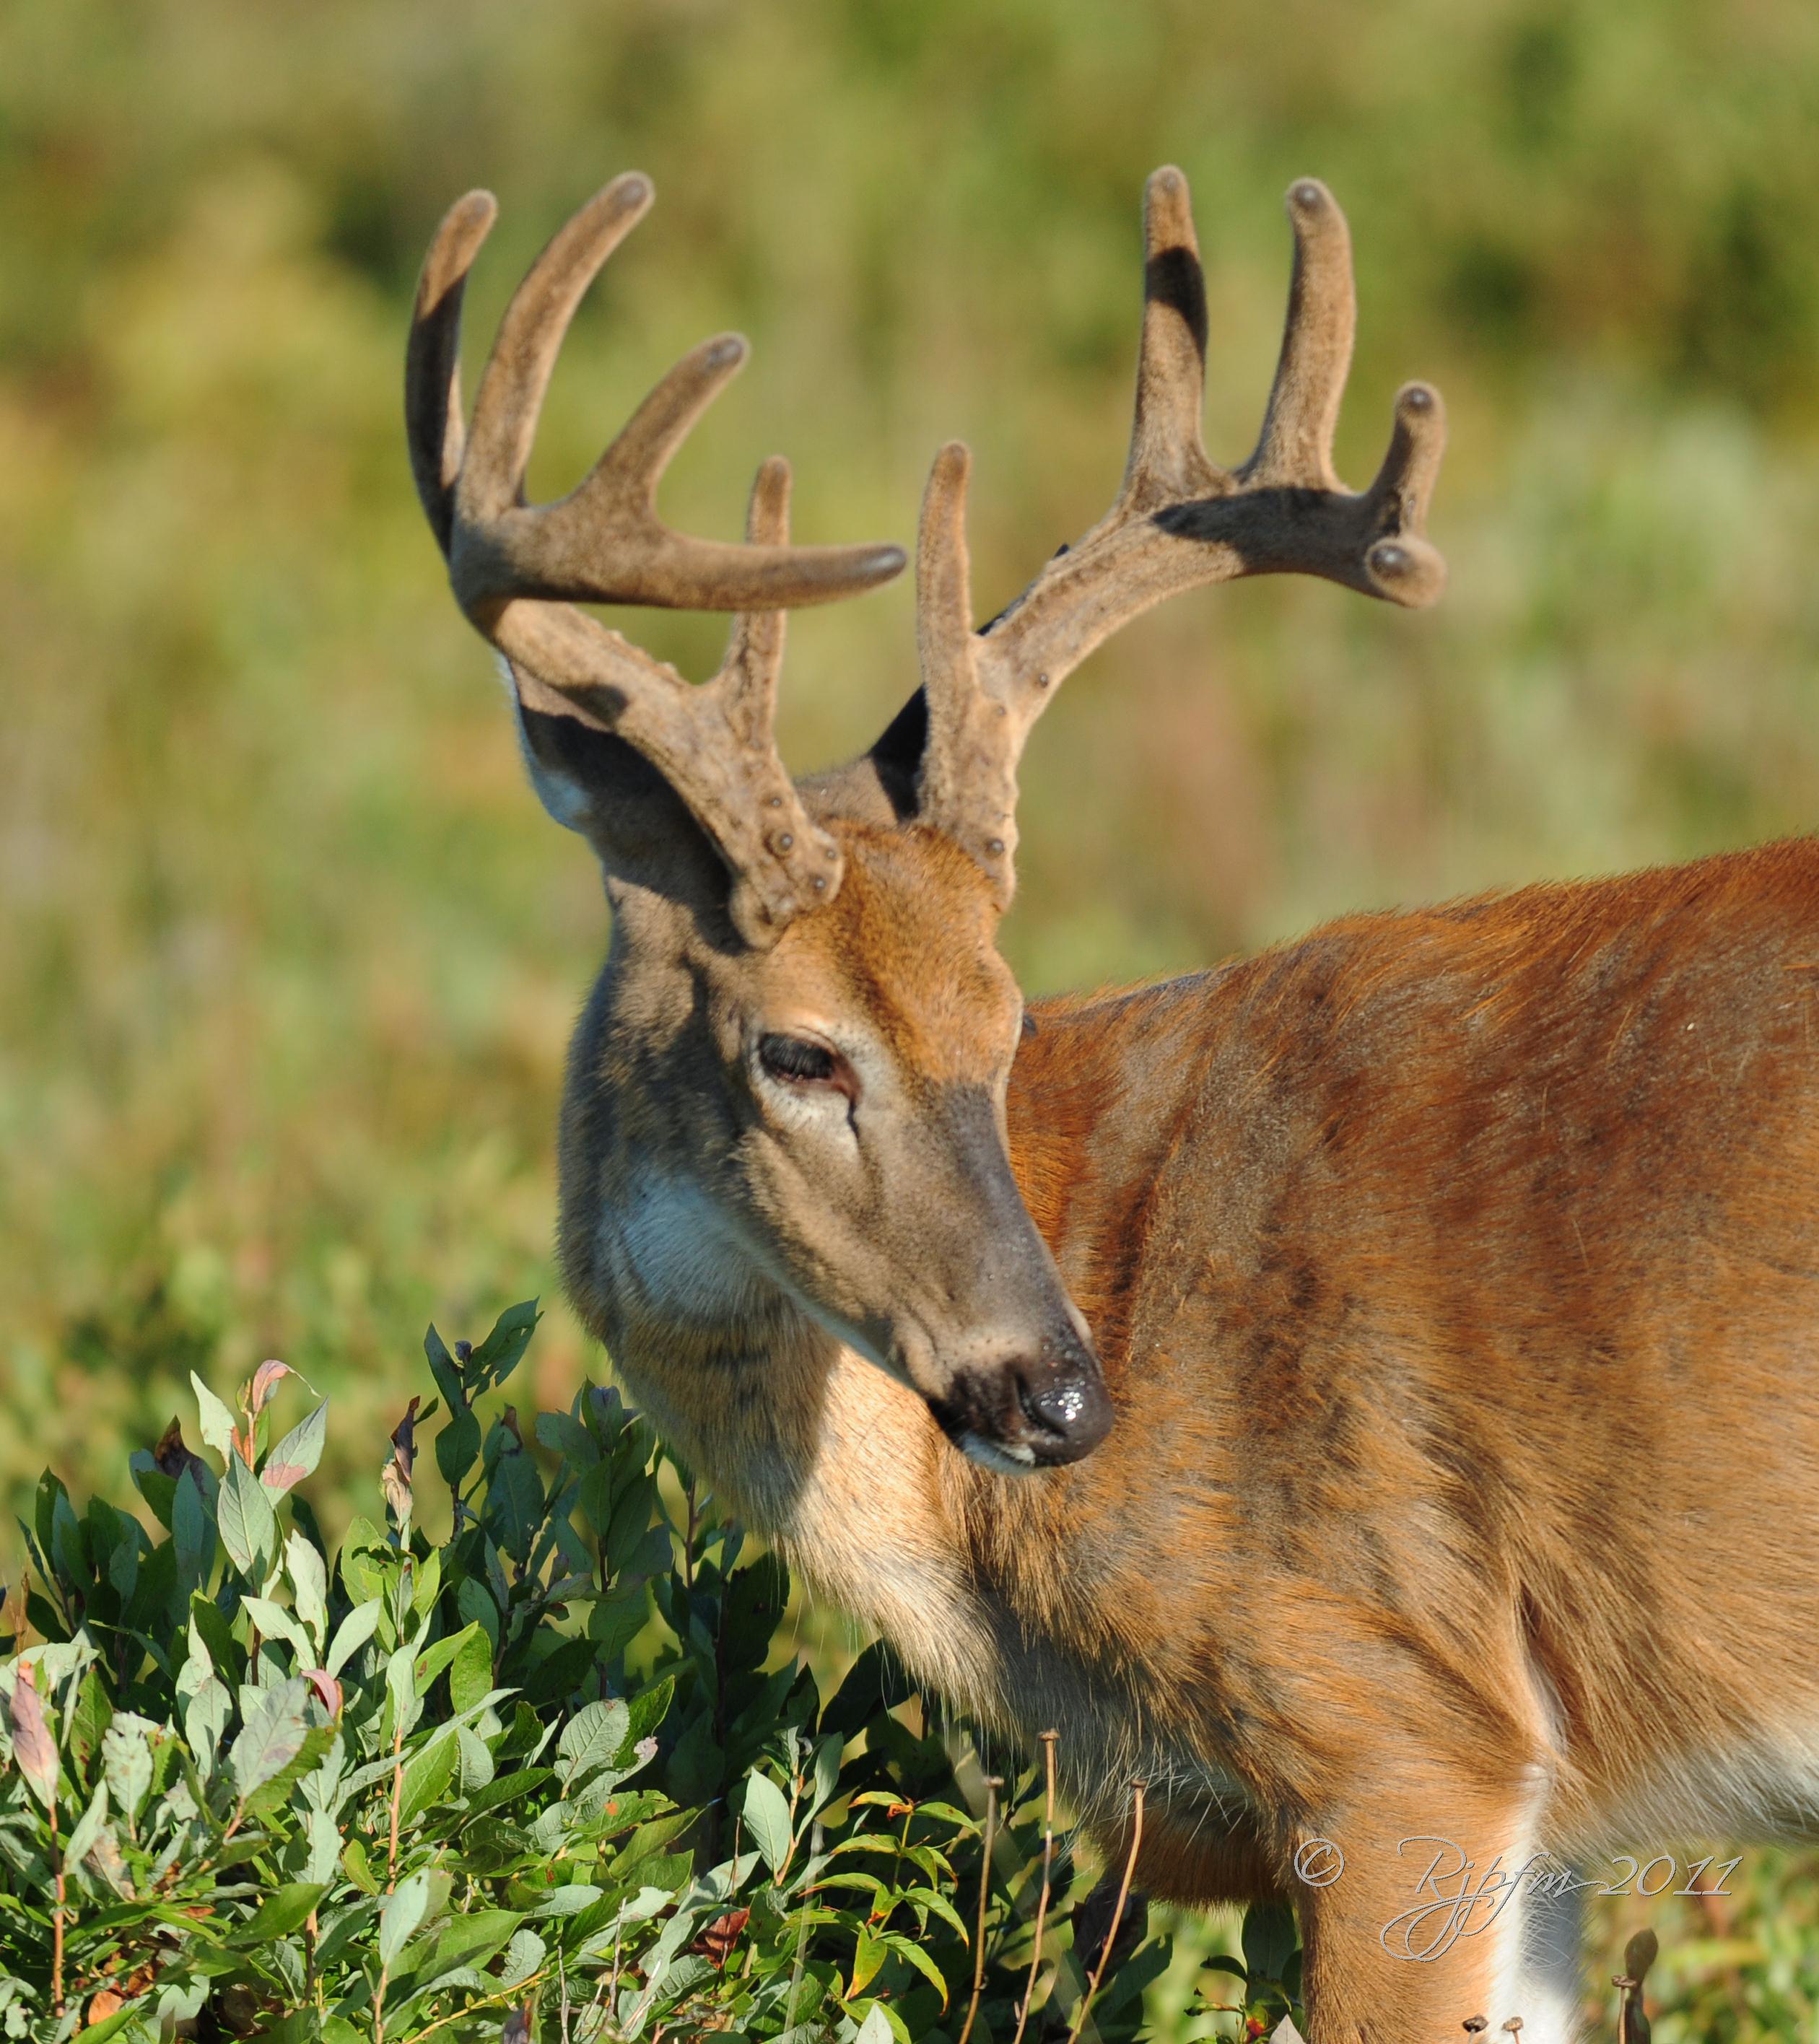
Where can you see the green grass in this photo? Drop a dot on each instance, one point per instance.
(290, 954)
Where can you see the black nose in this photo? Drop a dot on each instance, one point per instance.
(1066, 1411)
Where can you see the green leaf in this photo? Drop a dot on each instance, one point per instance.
(869, 1954)
(296, 1456)
(564, 1435)
(475, 1602)
(309, 1583)
(470, 1672)
(426, 1778)
(593, 1737)
(523, 1956)
(157, 1489)
(908, 1950)
(191, 1534)
(271, 1737)
(359, 1866)
(309, 1756)
(89, 1721)
(648, 1709)
(500, 1353)
(444, 1368)
(284, 1910)
(88, 1828)
(509, 1788)
(1269, 1939)
(876, 2027)
(556, 1675)
(274, 1622)
(126, 1760)
(468, 1940)
(248, 1530)
(352, 1633)
(209, 1624)
(217, 1421)
(458, 1447)
(401, 1914)
(515, 1502)
(432, 1660)
(767, 1819)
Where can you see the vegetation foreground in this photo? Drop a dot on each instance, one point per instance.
(454, 1788)
(554, 1772)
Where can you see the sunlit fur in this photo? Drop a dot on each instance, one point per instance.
(1456, 1278)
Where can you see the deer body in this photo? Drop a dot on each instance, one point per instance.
(1369, 1392)
(1455, 1276)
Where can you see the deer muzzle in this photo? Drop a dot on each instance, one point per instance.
(1036, 1408)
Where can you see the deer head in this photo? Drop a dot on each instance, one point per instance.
(787, 1094)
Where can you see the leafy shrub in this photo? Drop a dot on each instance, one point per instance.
(549, 1777)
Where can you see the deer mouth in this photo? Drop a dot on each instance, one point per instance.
(1016, 1421)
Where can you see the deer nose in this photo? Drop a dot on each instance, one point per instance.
(1066, 1411)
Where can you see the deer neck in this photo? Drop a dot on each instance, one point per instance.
(803, 1439)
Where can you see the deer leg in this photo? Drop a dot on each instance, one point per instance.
(1423, 1926)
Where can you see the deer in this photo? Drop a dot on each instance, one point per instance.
(1367, 1392)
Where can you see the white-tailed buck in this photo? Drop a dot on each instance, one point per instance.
(1369, 1391)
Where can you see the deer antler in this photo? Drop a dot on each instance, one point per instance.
(1180, 520)
(517, 570)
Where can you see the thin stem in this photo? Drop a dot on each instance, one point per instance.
(815, 1836)
(56, 1914)
(517, 1989)
(1049, 1741)
(1137, 1788)
(312, 1980)
(992, 1783)
(397, 1796)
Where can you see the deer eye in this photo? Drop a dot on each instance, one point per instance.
(797, 1060)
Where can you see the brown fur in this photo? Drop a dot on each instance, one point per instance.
(1455, 1276)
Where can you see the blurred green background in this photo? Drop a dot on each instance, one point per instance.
(290, 954)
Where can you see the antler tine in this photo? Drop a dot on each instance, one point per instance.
(1167, 459)
(1296, 445)
(604, 543)
(1180, 521)
(510, 397)
(1405, 566)
(432, 411)
(969, 757)
(513, 565)
(754, 663)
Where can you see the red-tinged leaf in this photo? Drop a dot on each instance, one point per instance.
(395, 1478)
(33, 1748)
(869, 1954)
(327, 1687)
(173, 1458)
(296, 1456)
(404, 1440)
(717, 1942)
(266, 1379)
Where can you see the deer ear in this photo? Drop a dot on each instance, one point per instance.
(556, 751)
(595, 783)
(882, 785)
